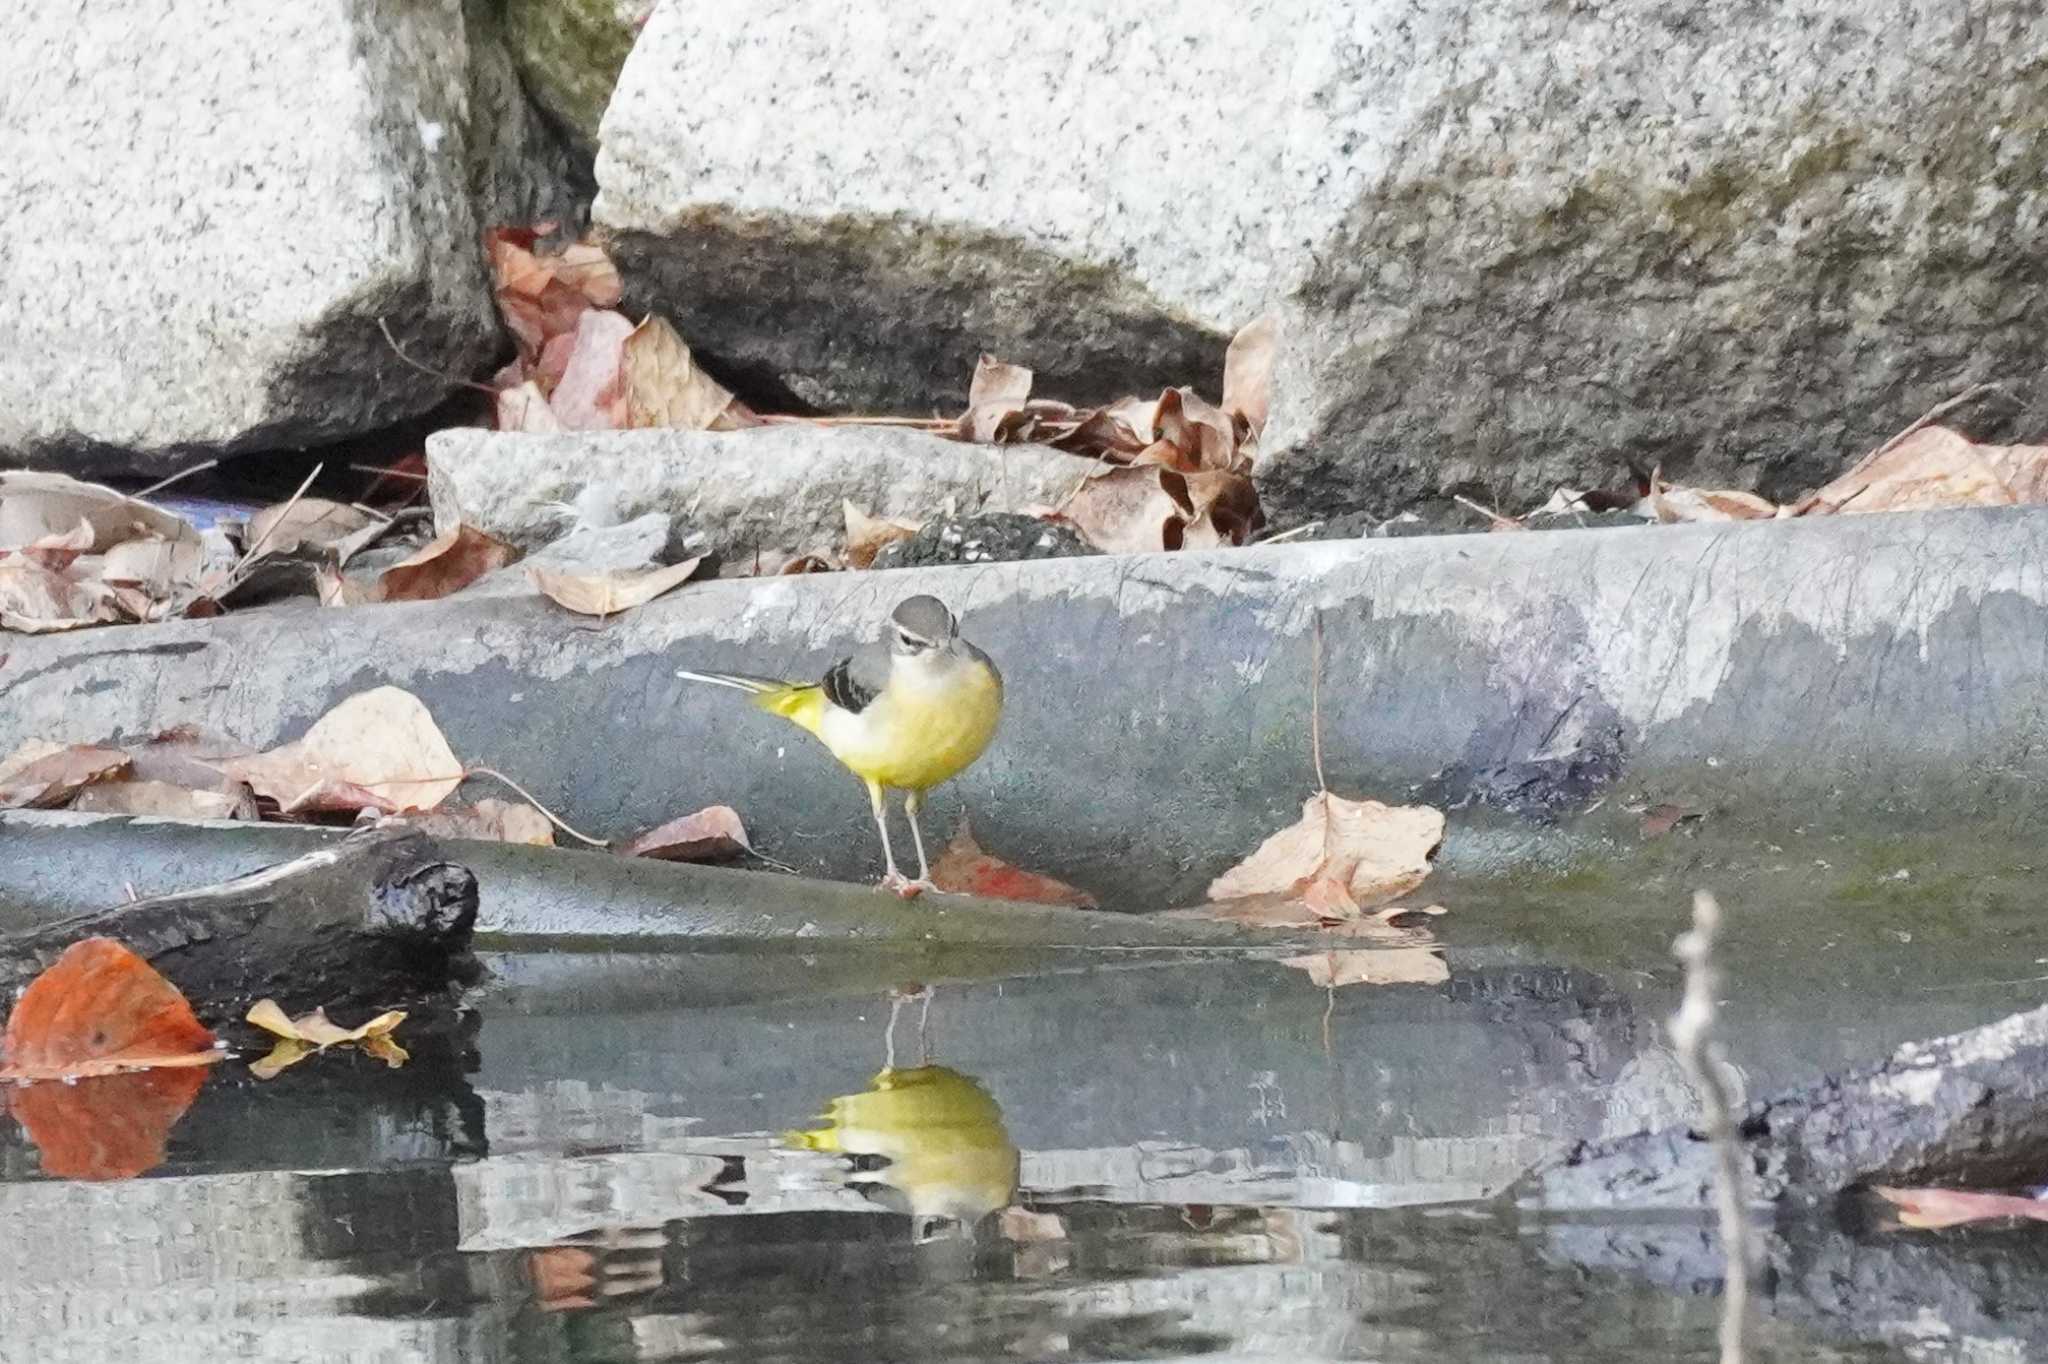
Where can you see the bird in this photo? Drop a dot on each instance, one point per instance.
(905, 713)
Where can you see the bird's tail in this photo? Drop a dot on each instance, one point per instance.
(791, 700)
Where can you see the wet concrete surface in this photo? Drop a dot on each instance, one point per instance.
(1875, 667)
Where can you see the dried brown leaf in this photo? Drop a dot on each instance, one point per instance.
(161, 569)
(535, 303)
(592, 393)
(35, 505)
(308, 521)
(378, 749)
(1678, 505)
(525, 408)
(712, 834)
(1102, 433)
(159, 799)
(1128, 510)
(1376, 852)
(866, 535)
(996, 382)
(664, 387)
(1248, 372)
(36, 600)
(606, 594)
(59, 551)
(1373, 966)
(1200, 432)
(585, 267)
(1933, 468)
(448, 563)
(41, 775)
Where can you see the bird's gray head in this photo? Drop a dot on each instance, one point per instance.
(919, 625)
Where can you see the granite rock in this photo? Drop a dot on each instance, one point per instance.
(569, 53)
(1511, 247)
(192, 270)
(776, 490)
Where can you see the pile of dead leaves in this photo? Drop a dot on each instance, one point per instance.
(75, 553)
(1175, 469)
(582, 364)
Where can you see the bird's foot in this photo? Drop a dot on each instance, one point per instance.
(896, 883)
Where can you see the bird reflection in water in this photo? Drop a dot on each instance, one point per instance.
(925, 1140)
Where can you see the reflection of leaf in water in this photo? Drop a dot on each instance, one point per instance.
(107, 1127)
(941, 1134)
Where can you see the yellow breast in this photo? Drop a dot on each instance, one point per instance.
(926, 726)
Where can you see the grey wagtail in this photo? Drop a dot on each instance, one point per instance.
(903, 714)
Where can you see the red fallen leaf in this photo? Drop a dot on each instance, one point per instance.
(712, 834)
(108, 1127)
(965, 868)
(97, 1010)
(534, 301)
(564, 1278)
(592, 393)
(1928, 1209)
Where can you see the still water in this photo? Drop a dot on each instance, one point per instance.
(846, 1156)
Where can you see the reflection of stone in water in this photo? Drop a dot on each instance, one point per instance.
(940, 1135)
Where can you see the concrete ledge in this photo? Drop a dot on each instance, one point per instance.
(1884, 668)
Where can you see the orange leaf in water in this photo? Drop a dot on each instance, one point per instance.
(99, 1009)
(107, 1127)
(965, 868)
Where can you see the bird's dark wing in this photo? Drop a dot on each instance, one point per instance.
(857, 679)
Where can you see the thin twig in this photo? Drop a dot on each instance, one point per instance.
(553, 818)
(1692, 1029)
(387, 473)
(926, 423)
(1315, 701)
(178, 477)
(1936, 413)
(1279, 536)
(429, 370)
(1486, 511)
